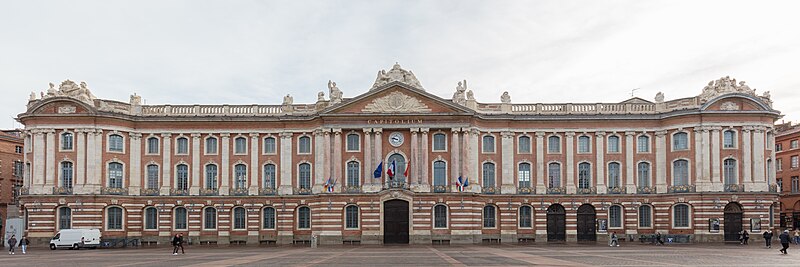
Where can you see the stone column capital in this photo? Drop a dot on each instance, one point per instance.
(367, 130)
(414, 130)
(166, 135)
(337, 131)
(455, 130)
(599, 134)
(135, 135)
(540, 134)
(661, 133)
(225, 134)
(254, 135)
(569, 134)
(507, 134)
(425, 130)
(630, 133)
(196, 135)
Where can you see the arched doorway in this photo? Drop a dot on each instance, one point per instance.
(556, 223)
(587, 218)
(395, 222)
(400, 168)
(732, 221)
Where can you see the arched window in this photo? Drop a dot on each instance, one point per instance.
(211, 177)
(182, 177)
(613, 175)
(115, 175)
(152, 145)
(488, 144)
(351, 216)
(645, 216)
(680, 141)
(150, 218)
(488, 174)
(729, 139)
(303, 218)
(613, 144)
(239, 218)
(583, 144)
(440, 216)
(240, 145)
(439, 173)
(554, 144)
(114, 218)
(269, 218)
(353, 142)
(304, 176)
(64, 218)
(211, 145)
(269, 176)
(680, 215)
(240, 174)
(643, 171)
(680, 172)
(181, 218)
(183, 146)
(489, 217)
(353, 173)
(115, 143)
(615, 216)
(66, 141)
(525, 217)
(439, 142)
(269, 145)
(553, 175)
(304, 145)
(210, 218)
(524, 175)
(584, 175)
(66, 174)
(643, 144)
(524, 144)
(729, 171)
(152, 176)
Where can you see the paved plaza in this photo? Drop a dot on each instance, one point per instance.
(410, 255)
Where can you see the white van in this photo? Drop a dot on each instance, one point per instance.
(76, 238)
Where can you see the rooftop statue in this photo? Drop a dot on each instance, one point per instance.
(724, 85)
(396, 74)
(70, 89)
(335, 93)
(288, 100)
(459, 97)
(505, 98)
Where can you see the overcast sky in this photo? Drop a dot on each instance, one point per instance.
(245, 52)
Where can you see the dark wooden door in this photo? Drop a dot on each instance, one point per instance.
(395, 222)
(587, 218)
(732, 221)
(556, 223)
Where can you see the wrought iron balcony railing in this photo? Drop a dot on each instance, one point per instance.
(60, 190)
(646, 190)
(687, 188)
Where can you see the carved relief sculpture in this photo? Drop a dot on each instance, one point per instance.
(729, 106)
(396, 102)
(505, 98)
(335, 93)
(724, 85)
(396, 74)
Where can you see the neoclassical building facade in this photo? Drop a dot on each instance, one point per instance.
(397, 164)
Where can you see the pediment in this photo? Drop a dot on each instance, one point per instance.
(60, 105)
(397, 98)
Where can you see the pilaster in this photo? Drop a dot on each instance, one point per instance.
(224, 173)
(759, 172)
(80, 161)
(287, 166)
(196, 179)
(255, 174)
(600, 164)
(455, 156)
(716, 177)
(50, 172)
(135, 168)
(540, 171)
(37, 174)
(747, 158)
(570, 147)
(661, 161)
(423, 161)
(706, 145)
(507, 185)
(166, 166)
(630, 166)
(319, 161)
(337, 157)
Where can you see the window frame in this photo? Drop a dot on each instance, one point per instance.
(588, 174)
(353, 175)
(489, 171)
(206, 221)
(349, 142)
(147, 220)
(639, 142)
(674, 142)
(733, 144)
(178, 145)
(443, 176)
(618, 177)
(151, 141)
(617, 147)
(63, 141)
(108, 222)
(433, 142)
(235, 221)
(348, 219)
(113, 175)
(301, 224)
(490, 220)
(266, 146)
(649, 217)
(109, 143)
(611, 221)
(178, 177)
(730, 172)
(674, 172)
(300, 175)
(521, 219)
(147, 176)
(264, 222)
(61, 220)
(674, 218)
(436, 218)
(550, 176)
(62, 179)
(588, 144)
(524, 149)
(649, 170)
(550, 146)
(207, 176)
(236, 148)
(485, 149)
(300, 145)
(274, 176)
(176, 221)
(206, 145)
(523, 175)
(240, 175)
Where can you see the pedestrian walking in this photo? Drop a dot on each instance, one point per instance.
(12, 242)
(797, 236)
(177, 242)
(768, 238)
(23, 243)
(745, 237)
(784, 241)
(741, 237)
(614, 240)
(659, 242)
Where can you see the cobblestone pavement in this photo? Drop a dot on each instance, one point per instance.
(418, 255)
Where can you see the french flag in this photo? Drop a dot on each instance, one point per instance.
(461, 183)
(392, 169)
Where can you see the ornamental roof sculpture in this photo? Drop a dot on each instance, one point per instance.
(726, 85)
(396, 74)
(396, 102)
(69, 89)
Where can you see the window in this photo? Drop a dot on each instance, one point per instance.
(779, 164)
(353, 143)
(66, 174)
(680, 172)
(525, 217)
(488, 174)
(66, 141)
(488, 144)
(643, 144)
(795, 184)
(269, 176)
(180, 218)
(524, 144)
(553, 175)
(643, 171)
(18, 149)
(778, 147)
(182, 177)
(613, 144)
(114, 218)
(269, 145)
(439, 142)
(239, 218)
(794, 162)
(150, 218)
(680, 141)
(269, 218)
(304, 145)
(554, 144)
(152, 176)
(615, 216)
(115, 175)
(729, 171)
(211, 177)
(353, 169)
(240, 145)
(303, 218)
(613, 175)
(780, 184)
(584, 175)
(793, 144)
(351, 216)
(728, 139)
(304, 176)
(210, 218)
(240, 172)
(183, 146)
(440, 216)
(439, 173)
(583, 144)
(115, 143)
(680, 215)
(152, 145)
(19, 169)
(489, 218)
(645, 216)
(524, 175)
(64, 218)
(211, 145)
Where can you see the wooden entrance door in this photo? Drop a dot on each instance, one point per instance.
(395, 222)
(556, 223)
(732, 221)
(586, 223)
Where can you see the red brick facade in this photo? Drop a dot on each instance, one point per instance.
(788, 173)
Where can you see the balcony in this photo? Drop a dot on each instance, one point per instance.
(687, 188)
(441, 189)
(120, 191)
(302, 191)
(269, 191)
(60, 190)
(239, 191)
(773, 188)
(491, 190)
(617, 190)
(587, 191)
(526, 190)
(353, 189)
(396, 184)
(646, 190)
(209, 192)
(178, 192)
(149, 192)
(556, 190)
(733, 188)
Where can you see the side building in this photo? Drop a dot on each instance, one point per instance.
(787, 148)
(448, 170)
(11, 172)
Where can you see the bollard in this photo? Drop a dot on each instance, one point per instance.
(313, 241)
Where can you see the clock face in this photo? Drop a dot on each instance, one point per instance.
(396, 139)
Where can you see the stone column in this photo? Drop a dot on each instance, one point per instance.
(716, 177)
(287, 166)
(319, 161)
(630, 166)
(423, 161)
(135, 179)
(507, 185)
(26, 146)
(600, 164)
(90, 162)
(80, 164)
(706, 140)
(379, 153)
(166, 166)
(759, 172)
(50, 171)
(661, 161)
(747, 159)
(473, 165)
(327, 148)
(337, 159)
(94, 182)
(37, 175)
(197, 178)
(455, 158)
(254, 173)
(368, 167)
(413, 160)
(570, 164)
(224, 166)
(540, 171)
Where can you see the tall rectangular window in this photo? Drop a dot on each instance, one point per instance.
(488, 174)
(439, 173)
(728, 139)
(152, 176)
(211, 145)
(554, 144)
(613, 144)
(680, 141)
(150, 218)
(304, 145)
(211, 177)
(794, 162)
(353, 175)
(240, 145)
(729, 171)
(584, 175)
(554, 175)
(779, 164)
(210, 218)
(488, 144)
(353, 142)
(269, 176)
(793, 144)
(66, 174)
(613, 175)
(269, 145)
(115, 143)
(439, 142)
(795, 184)
(240, 172)
(66, 141)
(180, 218)
(115, 175)
(680, 172)
(351, 217)
(304, 176)
(643, 171)
(524, 175)
(680, 215)
(583, 144)
(182, 177)
(489, 218)
(615, 216)
(183, 146)
(525, 218)
(643, 144)
(645, 216)
(269, 218)
(440, 216)
(152, 145)
(524, 144)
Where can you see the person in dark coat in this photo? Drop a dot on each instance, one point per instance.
(659, 242)
(784, 237)
(745, 237)
(12, 242)
(768, 238)
(23, 243)
(177, 242)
